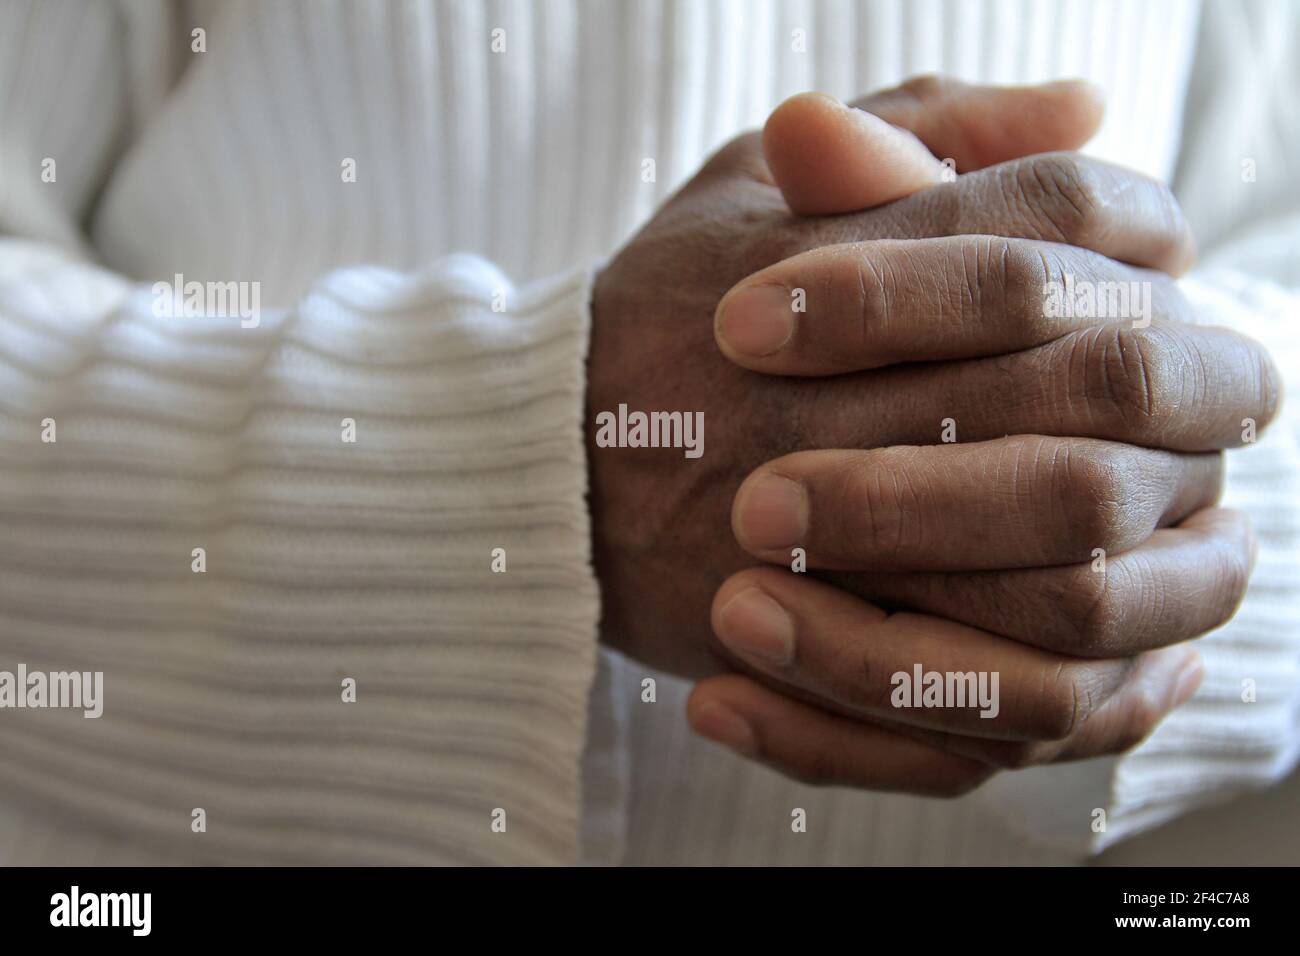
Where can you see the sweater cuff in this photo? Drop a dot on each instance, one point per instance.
(387, 482)
(517, 603)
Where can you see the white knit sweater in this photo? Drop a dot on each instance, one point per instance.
(329, 559)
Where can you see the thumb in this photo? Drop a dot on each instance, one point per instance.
(830, 158)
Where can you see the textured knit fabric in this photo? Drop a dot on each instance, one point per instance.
(326, 559)
(439, 303)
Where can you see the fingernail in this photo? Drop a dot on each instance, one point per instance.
(773, 513)
(756, 320)
(720, 723)
(1189, 679)
(753, 624)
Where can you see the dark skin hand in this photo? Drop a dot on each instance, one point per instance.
(1076, 435)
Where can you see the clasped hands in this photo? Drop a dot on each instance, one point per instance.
(977, 484)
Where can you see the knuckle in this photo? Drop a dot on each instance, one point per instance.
(1127, 376)
(1095, 604)
(1062, 195)
(857, 681)
(1102, 512)
(1233, 579)
(1010, 278)
(868, 294)
(1024, 271)
(1025, 275)
(880, 497)
(1064, 702)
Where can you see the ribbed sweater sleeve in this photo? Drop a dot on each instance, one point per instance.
(349, 468)
(375, 491)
